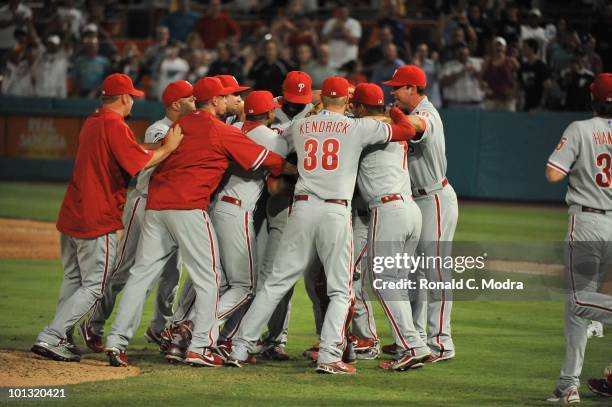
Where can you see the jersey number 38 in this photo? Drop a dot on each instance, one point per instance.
(325, 154)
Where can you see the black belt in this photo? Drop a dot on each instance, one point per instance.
(593, 210)
(335, 201)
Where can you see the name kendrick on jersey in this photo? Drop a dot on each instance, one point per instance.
(324, 126)
(453, 284)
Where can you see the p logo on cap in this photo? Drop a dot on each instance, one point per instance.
(408, 75)
(297, 87)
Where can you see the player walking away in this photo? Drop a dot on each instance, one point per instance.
(91, 211)
(235, 104)
(232, 215)
(328, 147)
(176, 219)
(585, 155)
(295, 104)
(438, 204)
(178, 100)
(395, 227)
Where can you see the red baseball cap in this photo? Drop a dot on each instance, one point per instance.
(209, 87)
(408, 75)
(335, 87)
(297, 87)
(369, 94)
(119, 84)
(175, 91)
(258, 102)
(230, 81)
(601, 88)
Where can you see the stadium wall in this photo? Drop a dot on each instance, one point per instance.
(491, 155)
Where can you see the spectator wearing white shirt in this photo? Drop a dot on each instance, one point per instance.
(12, 16)
(51, 69)
(535, 31)
(172, 68)
(342, 34)
(17, 79)
(460, 79)
(72, 17)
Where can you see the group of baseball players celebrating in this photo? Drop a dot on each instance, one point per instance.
(211, 190)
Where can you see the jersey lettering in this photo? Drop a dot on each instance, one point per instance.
(329, 154)
(604, 178)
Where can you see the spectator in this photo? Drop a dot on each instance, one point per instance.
(576, 82)
(602, 30)
(535, 31)
(199, 64)
(269, 71)
(156, 52)
(481, 27)
(534, 77)
(180, 23)
(90, 69)
(18, 73)
(320, 69)
(458, 37)
(431, 66)
(385, 70)
(304, 57)
(305, 33)
(376, 53)
(71, 17)
(592, 61)
(172, 68)
(226, 63)
(353, 72)
(106, 47)
(460, 79)
(194, 43)
(342, 34)
(216, 26)
(390, 15)
(499, 74)
(51, 69)
(13, 15)
(509, 27)
(98, 23)
(130, 62)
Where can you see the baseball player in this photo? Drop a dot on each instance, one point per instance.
(437, 201)
(176, 219)
(91, 211)
(295, 104)
(178, 100)
(395, 227)
(584, 155)
(235, 104)
(328, 146)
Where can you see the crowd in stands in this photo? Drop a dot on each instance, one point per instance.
(491, 54)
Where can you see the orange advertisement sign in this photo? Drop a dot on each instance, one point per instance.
(42, 137)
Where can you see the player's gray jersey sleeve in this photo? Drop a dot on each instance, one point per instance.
(429, 128)
(373, 131)
(156, 132)
(567, 151)
(272, 140)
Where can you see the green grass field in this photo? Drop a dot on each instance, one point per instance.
(508, 353)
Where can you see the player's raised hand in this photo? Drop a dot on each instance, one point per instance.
(174, 137)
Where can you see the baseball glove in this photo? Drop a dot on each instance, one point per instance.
(381, 118)
(315, 109)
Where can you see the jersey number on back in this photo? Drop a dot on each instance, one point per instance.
(328, 154)
(604, 178)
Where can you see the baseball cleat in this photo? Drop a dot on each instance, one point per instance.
(441, 356)
(60, 352)
(116, 357)
(174, 354)
(349, 356)
(567, 396)
(167, 336)
(336, 368)
(600, 387)
(390, 349)
(314, 348)
(206, 357)
(363, 344)
(595, 330)
(71, 345)
(276, 352)
(368, 353)
(93, 341)
(152, 337)
(224, 349)
(405, 362)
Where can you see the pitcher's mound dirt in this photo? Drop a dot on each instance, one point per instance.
(28, 239)
(24, 369)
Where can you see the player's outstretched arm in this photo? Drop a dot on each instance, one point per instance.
(171, 142)
(402, 129)
(553, 176)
